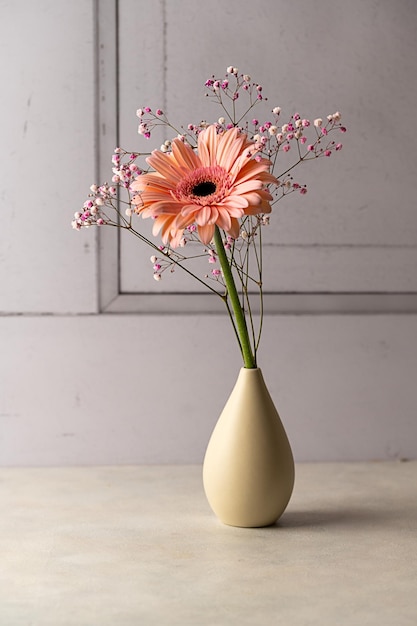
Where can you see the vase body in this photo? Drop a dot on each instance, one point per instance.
(248, 469)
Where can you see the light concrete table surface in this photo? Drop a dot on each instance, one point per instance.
(139, 546)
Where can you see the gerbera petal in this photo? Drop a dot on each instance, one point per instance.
(153, 180)
(176, 236)
(206, 233)
(151, 196)
(189, 209)
(185, 155)
(207, 145)
(234, 201)
(204, 216)
(230, 147)
(162, 208)
(249, 185)
(182, 221)
(232, 210)
(162, 222)
(224, 220)
(249, 169)
(214, 215)
(165, 165)
(234, 229)
(254, 199)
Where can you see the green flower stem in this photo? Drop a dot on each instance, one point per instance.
(249, 359)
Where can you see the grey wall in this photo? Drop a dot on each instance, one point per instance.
(77, 387)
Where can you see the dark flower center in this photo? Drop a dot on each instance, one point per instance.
(206, 188)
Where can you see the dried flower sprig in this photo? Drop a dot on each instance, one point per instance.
(210, 189)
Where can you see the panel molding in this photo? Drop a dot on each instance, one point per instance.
(357, 295)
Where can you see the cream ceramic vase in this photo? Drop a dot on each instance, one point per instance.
(248, 470)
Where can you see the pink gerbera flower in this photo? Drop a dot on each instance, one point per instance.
(217, 185)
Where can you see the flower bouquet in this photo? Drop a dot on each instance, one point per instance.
(210, 189)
